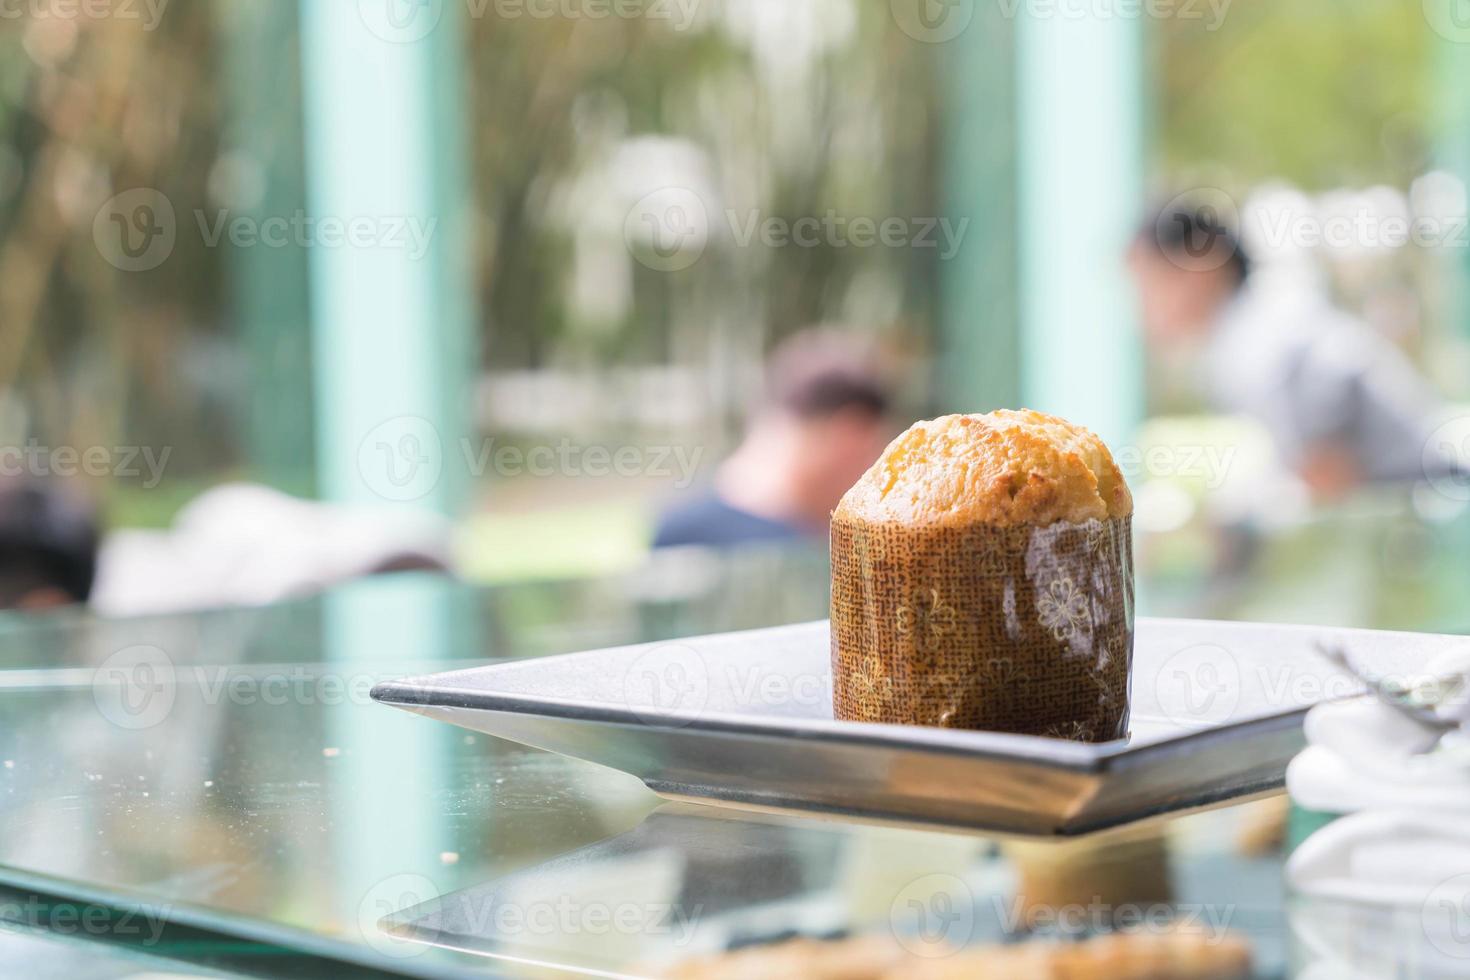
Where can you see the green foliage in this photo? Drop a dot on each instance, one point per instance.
(1318, 92)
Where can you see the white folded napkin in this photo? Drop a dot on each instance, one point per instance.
(1385, 857)
(1364, 754)
(1401, 855)
(1379, 892)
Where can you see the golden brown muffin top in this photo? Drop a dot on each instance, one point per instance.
(1005, 468)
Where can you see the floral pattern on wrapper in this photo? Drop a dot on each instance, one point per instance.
(1022, 629)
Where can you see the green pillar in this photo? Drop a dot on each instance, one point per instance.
(980, 354)
(390, 265)
(1450, 22)
(268, 285)
(1080, 173)
(391, 325)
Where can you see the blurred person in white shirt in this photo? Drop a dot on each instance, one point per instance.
(1343, 405)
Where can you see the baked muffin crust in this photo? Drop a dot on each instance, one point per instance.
(1005, 468)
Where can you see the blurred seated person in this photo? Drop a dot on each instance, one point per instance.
(824, 423)
(1342, 403)
(48, 546)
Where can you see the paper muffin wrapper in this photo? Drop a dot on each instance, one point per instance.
(1020, 629)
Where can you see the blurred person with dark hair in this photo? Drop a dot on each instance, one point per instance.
(824, 423)
(48, 546)
(1342, 403)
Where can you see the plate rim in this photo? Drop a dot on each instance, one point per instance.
(1087, 758)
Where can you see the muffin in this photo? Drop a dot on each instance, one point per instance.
(982, 578)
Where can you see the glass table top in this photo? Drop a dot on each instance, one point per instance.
(222, 783)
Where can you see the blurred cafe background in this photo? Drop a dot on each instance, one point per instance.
(511, 273)
(409, 333)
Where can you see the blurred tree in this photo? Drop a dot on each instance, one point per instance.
(95, 356)
(1316, 92)
(772, 111)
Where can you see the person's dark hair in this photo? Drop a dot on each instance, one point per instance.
(819, 373)
(1196, 238)
(48, 541)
